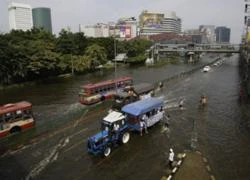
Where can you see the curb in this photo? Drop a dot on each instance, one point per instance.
(180, 160)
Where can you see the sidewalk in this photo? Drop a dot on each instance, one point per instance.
(194, 167)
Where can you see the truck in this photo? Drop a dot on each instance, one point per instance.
(131, 94)
(116, 127)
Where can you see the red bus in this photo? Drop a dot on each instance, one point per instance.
(93, 93)
(15, 118)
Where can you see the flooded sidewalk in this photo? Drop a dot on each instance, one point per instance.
(193, 166)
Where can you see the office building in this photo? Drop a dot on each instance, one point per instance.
(97, 30)
(197, 36)
(152, 23)
(128, 27)
(20, 16)
(222, 34)
(125, 28)
(209, 30)
(42, 18)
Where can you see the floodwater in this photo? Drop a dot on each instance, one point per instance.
(56, 148)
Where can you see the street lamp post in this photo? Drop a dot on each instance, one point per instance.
(72, 65)
(115, 61)
(115, 55)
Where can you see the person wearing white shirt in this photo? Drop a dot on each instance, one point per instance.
(171, 158)
(143, 124)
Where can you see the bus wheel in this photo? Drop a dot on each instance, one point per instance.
(107, 151)
(125, 137)
(102, 98)
(15, 129)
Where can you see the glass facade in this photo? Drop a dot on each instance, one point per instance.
(42, 18)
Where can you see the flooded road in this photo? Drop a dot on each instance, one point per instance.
(56, 148)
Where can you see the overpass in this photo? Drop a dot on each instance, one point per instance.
(192, 50)
(200, 50)
(197, 48)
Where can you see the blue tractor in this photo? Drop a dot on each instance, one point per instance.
(116, 126)
(114, 131)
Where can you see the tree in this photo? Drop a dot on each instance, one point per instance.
(43, 60)
(81, 63)
(65, 42)
(80, 43)
(137, 47)
(96, 54)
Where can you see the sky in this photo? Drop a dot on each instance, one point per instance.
(193, 13)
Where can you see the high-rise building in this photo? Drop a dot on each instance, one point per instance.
(171, 23)
(222, 34)
(125, 28)
(197, 36)
(42, 18)
(147, 18)
(209, 30)
(20, 16)
(128, 27)
(155, 23)
(97, 30)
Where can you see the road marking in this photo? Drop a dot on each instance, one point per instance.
(73, 146)
(72, 135)
(52, 156)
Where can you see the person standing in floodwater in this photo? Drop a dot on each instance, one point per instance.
(171, 158)
(143, 125)
(203, 100)
(181, 103)
(167, 118)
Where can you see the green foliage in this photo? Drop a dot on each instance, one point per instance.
(38, 54)
(136, 47)
(81, 63)
(96, 55)
(140, 59)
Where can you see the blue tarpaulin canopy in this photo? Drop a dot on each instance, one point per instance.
(142, 106)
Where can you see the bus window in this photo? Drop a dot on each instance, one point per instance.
(27, 114)
(1, 119)
(18, 114)
(8, 117)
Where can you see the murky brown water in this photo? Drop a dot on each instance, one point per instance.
(56, 148)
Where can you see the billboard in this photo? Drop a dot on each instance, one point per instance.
(122, 31)
(128, 32)
(125, 32)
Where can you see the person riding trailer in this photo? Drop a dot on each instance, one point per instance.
(148, 107)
